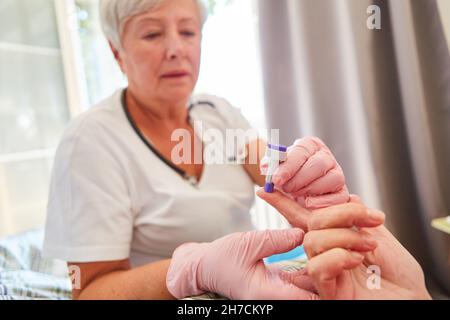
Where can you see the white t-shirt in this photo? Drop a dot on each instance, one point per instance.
(112, 198)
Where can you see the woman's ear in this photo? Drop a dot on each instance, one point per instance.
(117, 56)
(114, 51)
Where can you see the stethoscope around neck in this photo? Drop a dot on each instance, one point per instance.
(187, 177)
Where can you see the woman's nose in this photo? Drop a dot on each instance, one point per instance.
(174, 47)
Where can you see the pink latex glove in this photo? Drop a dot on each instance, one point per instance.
(233, 267)
(311, 175)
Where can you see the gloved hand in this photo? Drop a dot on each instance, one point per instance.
(311, 175)
(233, 267)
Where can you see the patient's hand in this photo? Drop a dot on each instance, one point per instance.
(311, 175)
(345, 243)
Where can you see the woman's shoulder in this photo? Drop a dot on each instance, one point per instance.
(95, 125)
(105, 113)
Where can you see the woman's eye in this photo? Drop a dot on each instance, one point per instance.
(188, 33)
(153, 35)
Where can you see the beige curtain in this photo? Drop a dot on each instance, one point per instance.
(379, 98)
(444, 10)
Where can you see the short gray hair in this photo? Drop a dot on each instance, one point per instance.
(115, 13)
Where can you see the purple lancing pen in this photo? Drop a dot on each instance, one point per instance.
(277, 154)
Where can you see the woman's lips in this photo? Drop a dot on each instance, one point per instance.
(175, 75)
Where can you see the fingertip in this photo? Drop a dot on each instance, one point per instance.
(299, 232)
(372, 245)
(260, 192)
(295, 234)
(266, 196)
(353, 198)
(377, 216)
(357, 257)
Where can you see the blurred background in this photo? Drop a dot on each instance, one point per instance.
(380, 98)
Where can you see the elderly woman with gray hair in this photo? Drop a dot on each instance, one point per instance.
(138, 225)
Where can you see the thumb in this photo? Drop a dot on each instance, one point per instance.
(355, 199)
(299, 278)
(295, 214)
(278, 289)
(269, 242)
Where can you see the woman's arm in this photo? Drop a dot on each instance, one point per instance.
(116, 280)
(255, 152)
(232, 266)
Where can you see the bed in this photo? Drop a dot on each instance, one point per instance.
(26, 275)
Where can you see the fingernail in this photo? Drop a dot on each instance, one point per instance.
(370, 244)
(298, 232)
(357, 256)
(376, 215)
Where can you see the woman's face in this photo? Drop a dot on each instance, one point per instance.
(161, 52)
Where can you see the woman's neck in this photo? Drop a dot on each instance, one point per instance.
(157, 114)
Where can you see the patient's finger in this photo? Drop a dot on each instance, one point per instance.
(325, 201)
(318, 241)
(324, 269)
(345, 216)
(296, 215)
(355, 199)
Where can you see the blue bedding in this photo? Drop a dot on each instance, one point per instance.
(26, 275)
